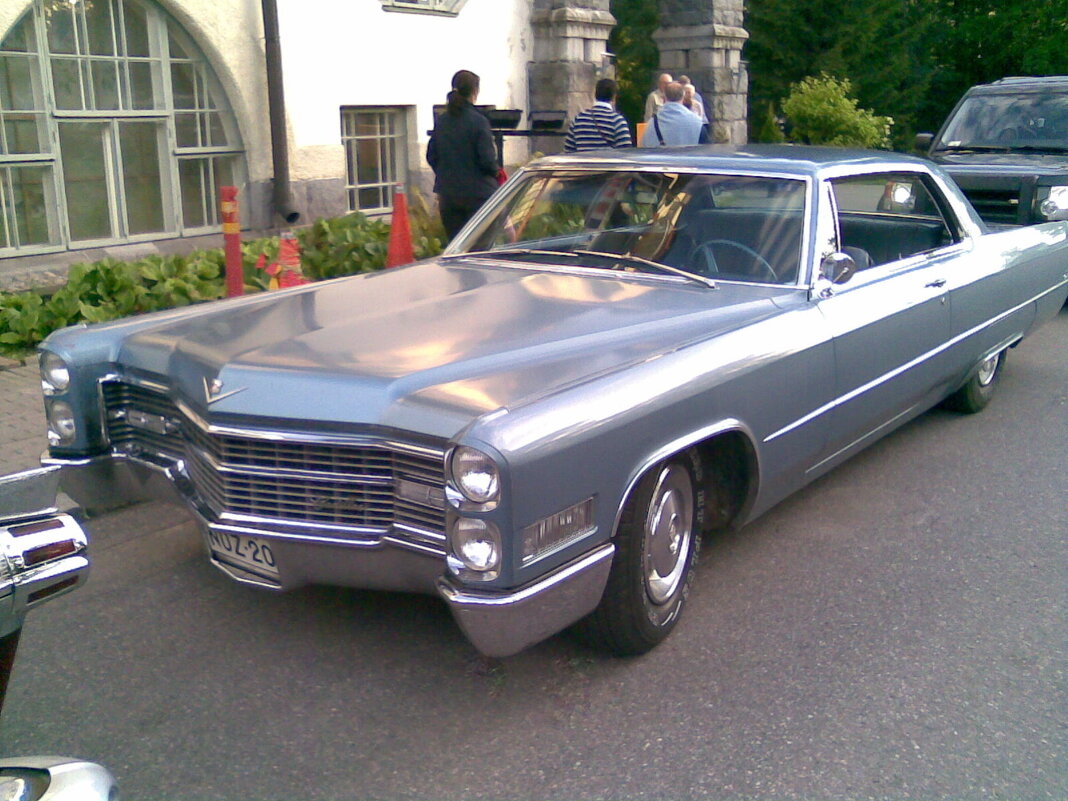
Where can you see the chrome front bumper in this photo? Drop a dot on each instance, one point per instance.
(502, 624)
(497, 623)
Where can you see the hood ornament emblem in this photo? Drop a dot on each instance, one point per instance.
(213, 390)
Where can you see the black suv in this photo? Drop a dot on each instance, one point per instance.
(1006, 145)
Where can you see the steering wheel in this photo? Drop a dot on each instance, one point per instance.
(704, 252)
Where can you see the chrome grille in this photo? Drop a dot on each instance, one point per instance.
(365, 485)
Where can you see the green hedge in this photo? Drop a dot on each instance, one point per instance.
(110, 289)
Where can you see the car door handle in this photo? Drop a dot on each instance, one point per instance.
(936, 284)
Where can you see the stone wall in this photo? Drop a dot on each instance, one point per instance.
(703, 39)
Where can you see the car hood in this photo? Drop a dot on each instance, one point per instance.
(1015, 164)
(425, 348)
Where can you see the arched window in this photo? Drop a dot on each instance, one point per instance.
(113, 128)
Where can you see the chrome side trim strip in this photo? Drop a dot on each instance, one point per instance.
(874, 432)
(875, 382)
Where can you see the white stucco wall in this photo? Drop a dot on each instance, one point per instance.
(352, 53)
(349, 53)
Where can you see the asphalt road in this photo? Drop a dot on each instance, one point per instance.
(896, 630)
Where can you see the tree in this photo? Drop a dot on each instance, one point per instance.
(977, 41)
(637, 56)
(875, 44)
(911, 59)
(821, 111)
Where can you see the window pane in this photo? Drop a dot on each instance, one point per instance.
(98, 24)
(26, 190)
(367, 166)
(142, 91)
(61, 38)
(141, 176)
(200, 181)
(22, 133)
(16, 83)
(21, 38)
(177, 48)
(136, 30)
(85, 180)
(369, 199)
(368, 124)
(183, 85)
(216, 134)
(66, 81)
(185, 128)
(105, 85)
(192, 176)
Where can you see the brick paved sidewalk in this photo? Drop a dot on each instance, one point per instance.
(22, 420)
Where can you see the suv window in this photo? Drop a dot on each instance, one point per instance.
(1032, 119)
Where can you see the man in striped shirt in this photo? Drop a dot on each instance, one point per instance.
(599, 126)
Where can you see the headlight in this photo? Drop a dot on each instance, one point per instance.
(61, 426)
(1054, 206)
(476, 546)
(54, 373)
(475, 475)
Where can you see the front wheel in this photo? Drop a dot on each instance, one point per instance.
(652, 570)
(979, 389)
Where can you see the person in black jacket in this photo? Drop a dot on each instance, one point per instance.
(462, 155)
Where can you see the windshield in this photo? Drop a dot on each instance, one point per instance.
(1033, 121)
(721, 227)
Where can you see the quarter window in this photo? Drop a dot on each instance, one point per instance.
(376, 149)
(887, 217)
(130, 141)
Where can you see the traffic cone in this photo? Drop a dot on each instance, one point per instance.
(400, 233)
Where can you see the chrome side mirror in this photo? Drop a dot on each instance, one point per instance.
(838, 267)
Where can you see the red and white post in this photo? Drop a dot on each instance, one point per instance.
(231, 225)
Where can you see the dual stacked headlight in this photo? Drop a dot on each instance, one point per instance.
(474, 485)
(55, 380)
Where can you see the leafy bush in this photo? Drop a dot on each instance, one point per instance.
(820, 111)
(110, 289)
(343, 246)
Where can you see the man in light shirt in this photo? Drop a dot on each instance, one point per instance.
(674, 124)
(656, 97)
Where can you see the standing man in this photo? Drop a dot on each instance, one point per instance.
(600, 125)
(674, 124)
(462, 154)
(656, 97)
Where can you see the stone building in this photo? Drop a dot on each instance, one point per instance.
(120, 119)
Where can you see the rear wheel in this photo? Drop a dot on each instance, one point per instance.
(652, 570)
(979, 389)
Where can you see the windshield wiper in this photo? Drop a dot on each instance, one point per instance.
(621, 258)
(1042, 148)
(507, 253)
(974, 148)
(626, 258)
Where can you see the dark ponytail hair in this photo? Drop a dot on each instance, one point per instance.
(464, 87)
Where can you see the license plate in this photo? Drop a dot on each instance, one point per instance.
(248, 553)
